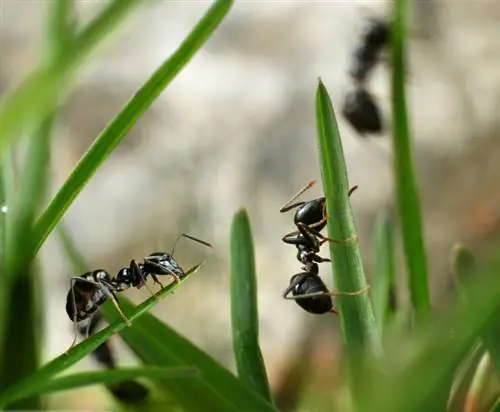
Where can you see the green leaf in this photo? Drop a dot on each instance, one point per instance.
(44, 89)
(126, 118)
(244, 310)
(106, 377)
(384, 283)
(216, 389)
(64, 361)
(406, 186)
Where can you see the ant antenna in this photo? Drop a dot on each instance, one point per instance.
(188, 237)
(288, 205)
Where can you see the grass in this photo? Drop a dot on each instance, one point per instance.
(446, 364)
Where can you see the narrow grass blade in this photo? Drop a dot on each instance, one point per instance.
(384, 282)
(357, 317)
(123, 121)
(44, 89)
(65, 360)
(406, 186)
(156, 343)
(480, 393)
(78, 380)
(463, 272)
(463, 378)
(244, 309)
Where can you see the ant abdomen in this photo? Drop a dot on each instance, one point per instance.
(306, 284)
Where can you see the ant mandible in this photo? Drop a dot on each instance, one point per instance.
(89, 291)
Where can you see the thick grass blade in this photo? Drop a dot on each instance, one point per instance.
(357, 317)
(126, 118)
(45, 88)
(78, 380)
(463, 269)
(244, 309)
(406, 186)
(157, 344)
(384, 282)
(64, 361)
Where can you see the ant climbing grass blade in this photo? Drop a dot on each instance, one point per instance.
(78, 380)
(116, 130)
(244, 311)
(216, 388)
(356, 313)
(406, 188)
(384, 282)
(64, 361)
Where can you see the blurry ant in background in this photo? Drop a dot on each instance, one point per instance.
(307, 288)
(360, 108)
(127, 391)
(89, 291)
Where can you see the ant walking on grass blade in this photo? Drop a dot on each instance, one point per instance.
(89, 291)
(307, 288)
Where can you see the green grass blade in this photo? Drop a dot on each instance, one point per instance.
(64, 361)
(359, 327)
(20, 351)
(358, 321)
(156, 343)
(43, 90)
(123, 121)
(406, 186)
(244, 310)
(463, 270)
(78, 380)
(384, 282)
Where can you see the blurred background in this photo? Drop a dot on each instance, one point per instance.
(237, 128)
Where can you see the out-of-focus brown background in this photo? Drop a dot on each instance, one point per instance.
(237, 128)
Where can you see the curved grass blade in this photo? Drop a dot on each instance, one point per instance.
(66, 360)
(78, 380)
(357, 318)
(156, 343)
(384, 283)
(123, 121)
(405, 181)
(43, 90)
(244, 310)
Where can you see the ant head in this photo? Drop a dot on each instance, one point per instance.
(163, 263)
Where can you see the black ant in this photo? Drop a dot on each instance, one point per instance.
(90, 290)
(307, 288)
(360, 108)
(127, 391)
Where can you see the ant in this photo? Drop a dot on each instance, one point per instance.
(89, 291)
(127, 391)
(359, 107)
(307, 288)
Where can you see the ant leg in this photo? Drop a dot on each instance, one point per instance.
(290, 287)
(136, 270)
(316, 294)
(352, 190)
(72, 282)
(177, 277)
(307, 229)
(289, 205)
(358, 292)
(188, 237)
